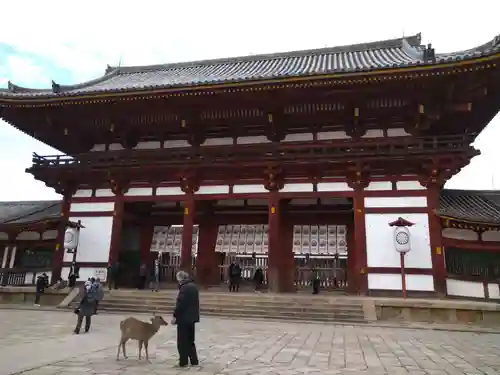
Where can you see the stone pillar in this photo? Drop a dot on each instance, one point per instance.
(5, 256)
(119, 188)
(58, 257)
(207, 267)
(187, 233)
(358, 182)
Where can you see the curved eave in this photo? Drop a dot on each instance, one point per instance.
(471, 224)
(485, 54)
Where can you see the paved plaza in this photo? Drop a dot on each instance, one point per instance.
(39, 342)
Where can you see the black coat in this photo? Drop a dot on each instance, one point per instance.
(187, 307)
(41, 284)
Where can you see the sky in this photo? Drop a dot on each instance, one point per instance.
(71, 42)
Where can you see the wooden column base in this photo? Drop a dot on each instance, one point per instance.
(281, 279)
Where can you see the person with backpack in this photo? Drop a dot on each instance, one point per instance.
(87, 307)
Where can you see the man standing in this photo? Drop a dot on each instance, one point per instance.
(113, 275)
(186, 314)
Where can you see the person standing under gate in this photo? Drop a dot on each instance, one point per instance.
(186, 315)
(234, 276)
(113, 275)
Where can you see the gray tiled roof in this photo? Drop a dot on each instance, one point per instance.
(393, 53)
(29, 211)
(470, 205)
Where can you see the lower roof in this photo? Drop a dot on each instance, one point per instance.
(472, 206)
(29, 211)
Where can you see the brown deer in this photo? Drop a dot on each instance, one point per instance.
(134, 329)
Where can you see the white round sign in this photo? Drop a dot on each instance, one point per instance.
(402, 239)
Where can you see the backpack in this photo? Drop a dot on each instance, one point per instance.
(92, 293)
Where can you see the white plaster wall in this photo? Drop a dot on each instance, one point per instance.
(49, 235)
(104, 193)
(409, 185)
(373, 133)
(86, 273)
(92, 207)
(333, 186)
(460, 234)
(323, 136)
(250, 140)
(83, 193)
(491, 235)
(299, 137)
(169, 191)
(98, 147)
(224, 141)
(382, 202)
(379, 185)
(28, 236)
(215, 189)
(94, 240)
(380, 241)
(461, 288)
(176, 143)
(152, 145)
(4, 236)
(297, 188)
(143, 191)
(379, 281)
(494, 291)
(241, 189)
(397, 132)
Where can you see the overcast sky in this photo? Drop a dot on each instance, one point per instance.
(71, 42)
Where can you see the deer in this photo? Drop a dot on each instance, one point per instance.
(135, 329)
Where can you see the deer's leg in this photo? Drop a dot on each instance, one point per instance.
(124, 341)
(119, 347)
(140, 348)
(146, 349)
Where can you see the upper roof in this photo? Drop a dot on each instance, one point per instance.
(474, 206)
(393, 53)
(29, 211)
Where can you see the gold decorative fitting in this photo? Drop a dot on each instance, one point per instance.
(270, 118)
(356, 112)
(469, 107)
(112, 128)
(421, 108)
(66, 131)
(183, 123)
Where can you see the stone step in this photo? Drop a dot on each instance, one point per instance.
(243, 313)
(238, 301)
(255, 308)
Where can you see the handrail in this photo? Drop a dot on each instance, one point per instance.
(346, 148)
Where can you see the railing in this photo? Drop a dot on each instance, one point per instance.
(338, 150)
(21, 277)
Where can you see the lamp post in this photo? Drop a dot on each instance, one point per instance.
(402, 245)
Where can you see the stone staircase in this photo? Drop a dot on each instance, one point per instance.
(323, 308)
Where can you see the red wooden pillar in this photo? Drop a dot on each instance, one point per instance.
(187, 233)
(436, 240)
(58, 257)
(358, 181)
(119, 188)
(207, 270)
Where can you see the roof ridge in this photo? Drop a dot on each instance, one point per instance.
(412, 41)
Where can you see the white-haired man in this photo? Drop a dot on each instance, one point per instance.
(186, 315)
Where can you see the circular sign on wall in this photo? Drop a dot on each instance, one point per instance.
(402, 238)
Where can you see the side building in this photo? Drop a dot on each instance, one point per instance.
(290, 161)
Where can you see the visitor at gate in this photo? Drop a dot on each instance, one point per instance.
(41, 284)
(113, 275)
(186, 315)
(143, 276)
(154, 282)
(316, 282)
(234, 276)
(87, 307)
(258, 279)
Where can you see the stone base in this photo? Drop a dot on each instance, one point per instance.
(281, 280)
(27, 295)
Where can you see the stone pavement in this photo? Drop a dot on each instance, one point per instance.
(40, 342)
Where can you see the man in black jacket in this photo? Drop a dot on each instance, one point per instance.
(186, 314)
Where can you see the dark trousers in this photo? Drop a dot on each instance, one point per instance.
(316, 284)
(38, 294)
(112, 283)
(95, 308)
(234, 284)
(88, 321)
(185, 344)
(142, 282)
